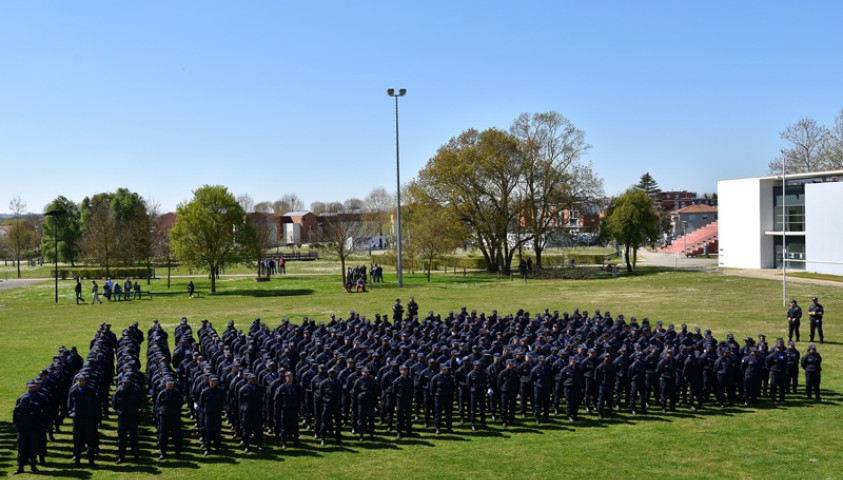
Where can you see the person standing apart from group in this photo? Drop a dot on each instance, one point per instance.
(794, 318)
(816, 312)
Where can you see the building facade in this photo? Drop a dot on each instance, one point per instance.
(763, 223)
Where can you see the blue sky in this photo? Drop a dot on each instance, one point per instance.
(275, 97)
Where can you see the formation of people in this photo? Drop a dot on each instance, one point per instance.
(394, 374)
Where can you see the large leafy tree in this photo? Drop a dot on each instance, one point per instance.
(65, 223)
(553, 177)
(476, 175)
(213, 229)
(631, 221)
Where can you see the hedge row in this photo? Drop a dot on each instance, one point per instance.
(99, 272)
(479, 263)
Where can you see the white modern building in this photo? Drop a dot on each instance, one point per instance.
(756, 221)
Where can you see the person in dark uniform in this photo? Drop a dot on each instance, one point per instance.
(812, 364)
(365, 390)
(605, 377)
(589, 365)
(442, 388)
(126, 403)
(83, 406)
(777, 365)
(752, 371)
(793, 357)
(168, 404)
(387, 377)
(667, 379)
(331, 393)
(412, 308)
(724, 372)
(542, 381)
(212, 404)
(794, 318)
(251, 413)
(423, 381)
(27, 420)
(572, 384)
(478, 385)
(693, 375)
(397, 311)
(287, 401)
(525, 369)
(638, 383)
(404, 389)
(509, 383)
(816, 312)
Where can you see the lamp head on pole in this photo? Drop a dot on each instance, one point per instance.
(391, 92)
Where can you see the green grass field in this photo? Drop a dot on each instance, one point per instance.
(801, 440)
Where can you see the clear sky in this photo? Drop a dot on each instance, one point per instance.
(270, 97)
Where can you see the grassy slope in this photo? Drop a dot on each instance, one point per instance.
(800, 441)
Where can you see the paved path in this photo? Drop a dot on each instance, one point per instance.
(646, 257)
(16, 283)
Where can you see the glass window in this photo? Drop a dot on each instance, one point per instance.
(794, 204)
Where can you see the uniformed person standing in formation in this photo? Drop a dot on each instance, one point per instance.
(250, 397)
(126, 403)
(812, 364)
(442, 388)
(27, 421)
(404, 391)
(478, 385)
(212, 405)
(168, 406)
(84, 408)
(350, 364)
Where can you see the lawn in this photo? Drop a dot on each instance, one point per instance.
(800, 440)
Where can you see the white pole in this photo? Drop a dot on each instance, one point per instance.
(784, 229)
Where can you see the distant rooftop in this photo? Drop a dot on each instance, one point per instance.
(295, 214)
(697, 208)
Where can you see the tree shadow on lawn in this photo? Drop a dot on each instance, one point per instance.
(295, 292)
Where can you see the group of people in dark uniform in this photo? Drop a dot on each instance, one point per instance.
(401, 372)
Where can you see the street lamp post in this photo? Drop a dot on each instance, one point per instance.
(401, 93)
(56, 214)
(685, 238)
(784, 230)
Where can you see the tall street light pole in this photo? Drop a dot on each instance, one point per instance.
(401, 93)
(685, 238)
(56, 214)
(784, 230)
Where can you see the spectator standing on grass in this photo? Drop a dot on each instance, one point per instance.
(95, 292)
(127, 288)
(137, 290)
(190, 289)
